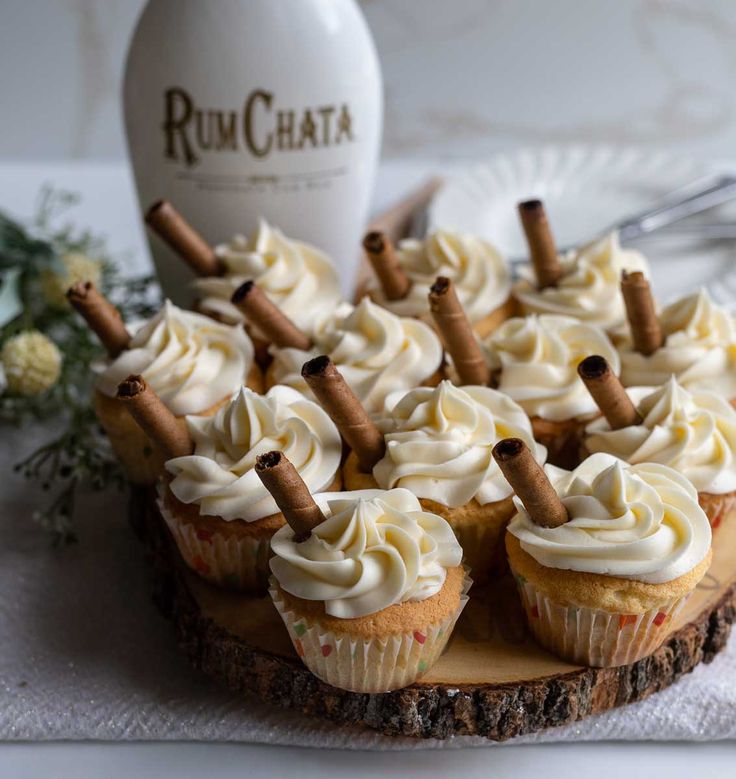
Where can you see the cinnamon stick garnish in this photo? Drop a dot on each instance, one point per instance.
(177, 233)
(291, 494)
(646, 330)
(457, 333)
(100, 314)
(608, 392)
(542, 249)
(345, 409)
(264, 314)
(382, 255)
(530, 483)
(155, 418)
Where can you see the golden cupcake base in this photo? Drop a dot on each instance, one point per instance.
(493, 680)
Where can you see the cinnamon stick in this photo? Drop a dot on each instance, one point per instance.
(457, 333)
(177, 233)
(393, 279)
(542, 249)
(646, 331)
(262, 312)
(100, 314)
(608, 392)
(154, 418)
(530, 483)
(345, 409)
(291, 494)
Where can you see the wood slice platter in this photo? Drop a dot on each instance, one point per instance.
(492, 681)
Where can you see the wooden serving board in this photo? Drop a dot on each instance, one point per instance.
(492, 681)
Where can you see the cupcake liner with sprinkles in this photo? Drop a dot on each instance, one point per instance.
(594, 637)
(232, 563)
(374, 665)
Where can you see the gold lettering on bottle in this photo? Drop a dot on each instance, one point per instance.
(266, 127)
(258, 96)
(179, 109)
(285, 130)
(325, 113)
(307, 130)
(344, 125)
(227, 131)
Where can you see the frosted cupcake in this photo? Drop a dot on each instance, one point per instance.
(478, 270)
(534, 361)
(300, 279)
(602, 584)
(588, 288)
(377, 352)
(218, 511)
(693, 433)
(698, 346)
(371, 594)
(438, 444)
(192, 362)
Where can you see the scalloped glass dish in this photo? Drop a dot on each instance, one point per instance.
(585, 190)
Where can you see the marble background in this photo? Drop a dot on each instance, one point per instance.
(463, 78)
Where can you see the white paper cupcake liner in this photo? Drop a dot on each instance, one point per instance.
(593, 637)
(232, 563)
(367, 665)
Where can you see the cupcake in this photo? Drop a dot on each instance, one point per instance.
(693, 433)
(218, 511)
(377, 352)
(697, 345)
(588, 287)
(300, 279)
(602, 582)
(438, 444)
(534, 361)
(192, 362)
(478, 270)
(371, 592)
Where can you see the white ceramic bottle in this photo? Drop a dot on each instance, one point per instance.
(236, 109)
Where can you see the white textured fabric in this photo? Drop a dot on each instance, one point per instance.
(85, 655)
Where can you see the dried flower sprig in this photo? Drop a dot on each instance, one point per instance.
(37, 262)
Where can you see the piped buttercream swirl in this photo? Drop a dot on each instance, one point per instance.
(377, 352)
(300, 279)
(694, 433)
(375, 549)
(535, 359)
(479, 273)
(640, 522)
(439, 442)
(220, 477)
(589, 287)
(700, 349)
(188, 359)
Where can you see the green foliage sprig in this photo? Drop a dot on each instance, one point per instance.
(32, 260)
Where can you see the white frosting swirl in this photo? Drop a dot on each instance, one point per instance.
(479, 273)
(377, 352)
(537, 358)
(589, 289)
(220, 477)
(189, 360)
(439, 442)
(374, 549)
(693, 433)
(298, 278)
(700, 349)
(640, 522)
